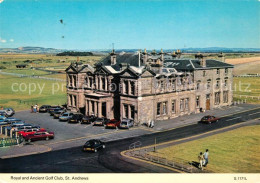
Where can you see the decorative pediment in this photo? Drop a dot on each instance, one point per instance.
(87, 70)
(128, 73)
(71, 69)
(101, 71)
(147, 74)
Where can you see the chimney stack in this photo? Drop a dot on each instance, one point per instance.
(113, 57)
(174, 55)
(222, 57)
(202, 59)
(162, 55)
(145, 56)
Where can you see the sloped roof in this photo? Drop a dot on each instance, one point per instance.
(127, 58)
(186, 64)
(79, 67)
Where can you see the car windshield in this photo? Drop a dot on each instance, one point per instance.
(90, 143)
(206, 117)
(124, 123)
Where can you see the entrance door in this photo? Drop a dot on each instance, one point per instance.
(104, 109)
(208, 102)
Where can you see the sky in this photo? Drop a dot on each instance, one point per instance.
(154, 24)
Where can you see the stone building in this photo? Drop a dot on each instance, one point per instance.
(148, 86)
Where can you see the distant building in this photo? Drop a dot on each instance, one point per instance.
(148, 86)
(21, 66)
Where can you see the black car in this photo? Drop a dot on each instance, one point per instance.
(44, 108)
(93, 145)
(88, 119)
(76, 118)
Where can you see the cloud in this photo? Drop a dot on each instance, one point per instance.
(11, 40)
(2, 40)
(1, 1)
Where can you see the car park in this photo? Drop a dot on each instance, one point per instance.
(88, 119)
(76, 118)
(93, 145)
(57, 114)
(44, 108)
(126, 123)
(39, 136)
(209, 119)
(100, 121)
(113, 123)
(66, 116)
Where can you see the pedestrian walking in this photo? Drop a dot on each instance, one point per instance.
(34, 109)
(206, 157)
(31, 108)
(201, 159)
(152, 124)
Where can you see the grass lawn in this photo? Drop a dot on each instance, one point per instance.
(247, 86)
(236, 151)
(20, 97)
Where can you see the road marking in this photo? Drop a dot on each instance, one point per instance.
(233, 118)
(253, 113)
(123, 153)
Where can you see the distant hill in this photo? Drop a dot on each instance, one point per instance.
(41, 50)
(31, 50)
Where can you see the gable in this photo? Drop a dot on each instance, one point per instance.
(147, 74)
(128, 74)
(71, 69)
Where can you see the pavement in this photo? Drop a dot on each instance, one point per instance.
(110, 159)
(74, 135)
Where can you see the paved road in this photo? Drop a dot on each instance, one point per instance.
(109, 160)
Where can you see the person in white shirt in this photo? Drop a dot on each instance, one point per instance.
(206, 157)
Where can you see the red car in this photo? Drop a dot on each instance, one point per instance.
(209, 119)
(113, 123)
(39, 136)
(30, 131)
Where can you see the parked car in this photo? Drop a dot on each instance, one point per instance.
(52, 108)
(88, 119)
(7, 112)
(30, 131)
(100, 121)
(113, 123)
(126, 123)
(39, 136)
(93, 145)
(66, 116)
(76, 118)
(52, 112)
(44, 108)
(2, 118)
(26, 127)
(57, 114)
(209, 119)
(3, 113)
(12, 120)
